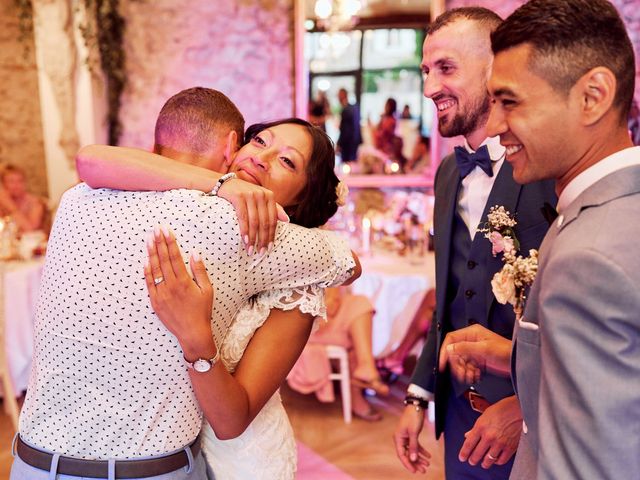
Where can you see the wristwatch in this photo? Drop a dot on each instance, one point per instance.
(202, 365)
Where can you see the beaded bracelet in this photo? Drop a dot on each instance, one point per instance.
(220, 182)
(417, 402)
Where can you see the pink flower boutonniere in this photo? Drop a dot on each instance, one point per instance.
(510, 283)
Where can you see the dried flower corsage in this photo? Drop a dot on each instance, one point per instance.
(510, 283)
(342, 192)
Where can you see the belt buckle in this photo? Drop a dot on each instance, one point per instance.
(472, 401)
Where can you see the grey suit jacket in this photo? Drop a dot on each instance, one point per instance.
(577, 350)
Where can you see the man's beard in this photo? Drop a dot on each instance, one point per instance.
(465, 123)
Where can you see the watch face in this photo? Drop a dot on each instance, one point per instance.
(201, 365)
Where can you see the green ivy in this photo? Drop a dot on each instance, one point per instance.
(104, 30)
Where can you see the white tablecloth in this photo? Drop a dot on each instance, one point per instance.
(20, 282)
(396, 285)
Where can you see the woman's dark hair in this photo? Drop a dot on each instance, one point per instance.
(390, 106)
(317, 200)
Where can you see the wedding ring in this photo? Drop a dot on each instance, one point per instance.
(491, 457)
(158, 280)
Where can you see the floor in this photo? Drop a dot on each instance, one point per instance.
(328, 448)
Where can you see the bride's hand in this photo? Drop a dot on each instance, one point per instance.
(183, 305)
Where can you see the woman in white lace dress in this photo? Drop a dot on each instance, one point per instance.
(246, 434)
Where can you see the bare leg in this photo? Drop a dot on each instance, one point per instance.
(365, 365)
(417, 330)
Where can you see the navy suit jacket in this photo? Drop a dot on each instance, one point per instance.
(525, 201)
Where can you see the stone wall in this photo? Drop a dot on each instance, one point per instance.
(21, 140)
(243, 48)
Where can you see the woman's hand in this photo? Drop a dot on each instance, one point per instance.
(183, 305)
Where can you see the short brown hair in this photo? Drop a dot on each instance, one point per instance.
(569, 38)
(195, 119)
(483, 16)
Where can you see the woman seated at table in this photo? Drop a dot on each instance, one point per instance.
(26, 210)
(349, 319)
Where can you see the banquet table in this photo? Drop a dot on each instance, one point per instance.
(19, 284)
(396, 285)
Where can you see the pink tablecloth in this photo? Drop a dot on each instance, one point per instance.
(396, 286)
(19, 282)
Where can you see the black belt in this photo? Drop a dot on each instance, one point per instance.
(100, 468)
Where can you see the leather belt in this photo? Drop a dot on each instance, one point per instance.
(100, 468)
(478, 402)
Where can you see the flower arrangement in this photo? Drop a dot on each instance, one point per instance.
(510, 283)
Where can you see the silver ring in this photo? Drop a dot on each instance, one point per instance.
(158, 280)
(491, 457)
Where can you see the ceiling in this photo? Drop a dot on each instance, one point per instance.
(382, 8)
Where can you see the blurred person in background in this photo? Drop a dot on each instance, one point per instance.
(350, 133)
(319, 110)
(27, 210)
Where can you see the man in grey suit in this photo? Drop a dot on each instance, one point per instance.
(563, 81)
(481, 422)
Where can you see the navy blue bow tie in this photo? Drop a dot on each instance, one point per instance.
(468, 161)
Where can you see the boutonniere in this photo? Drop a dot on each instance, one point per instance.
(509, 284)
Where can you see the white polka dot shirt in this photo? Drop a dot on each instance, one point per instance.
(108, 379)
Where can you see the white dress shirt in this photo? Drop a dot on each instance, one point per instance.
(472, 200)
(108, 379)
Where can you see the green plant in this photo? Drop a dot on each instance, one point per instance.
(25, 24)
(104, 28)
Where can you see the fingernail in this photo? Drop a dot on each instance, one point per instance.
(450, 348)
(149, 240)
(166, 231)
(250, 251)
(246, 239)
(146, 263)
(288, 220)
(270, 247)
(262, 250)
(157, 231)
(196, 257)
(413, 457)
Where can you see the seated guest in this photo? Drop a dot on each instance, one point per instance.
(349, 325)
(392, 364)
(26, 209)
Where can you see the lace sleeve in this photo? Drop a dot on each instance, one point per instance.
(309, 299)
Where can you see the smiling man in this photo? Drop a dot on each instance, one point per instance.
(563, 79)
(481, 423)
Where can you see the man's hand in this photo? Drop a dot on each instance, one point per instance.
(474, 350)
(257, 212)
(408, 449)
(495, 435)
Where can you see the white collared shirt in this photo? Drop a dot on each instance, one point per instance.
(619, 160)
(476, 187)
(108, 379)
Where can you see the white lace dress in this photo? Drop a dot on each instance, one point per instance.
(266, 449)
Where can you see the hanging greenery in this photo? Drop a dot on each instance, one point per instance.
(25, 24)
(103, 29)
(108, 36)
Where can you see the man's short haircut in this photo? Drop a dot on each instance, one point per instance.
(195, 119)
(485, 17)
(569, 38)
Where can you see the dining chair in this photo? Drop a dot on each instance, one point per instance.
(341, 356)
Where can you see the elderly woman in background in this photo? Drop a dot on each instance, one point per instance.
(27, 210)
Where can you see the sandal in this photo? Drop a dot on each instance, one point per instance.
(377, 385)
(371, 415)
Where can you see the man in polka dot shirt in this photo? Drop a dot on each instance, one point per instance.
(109, 395)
